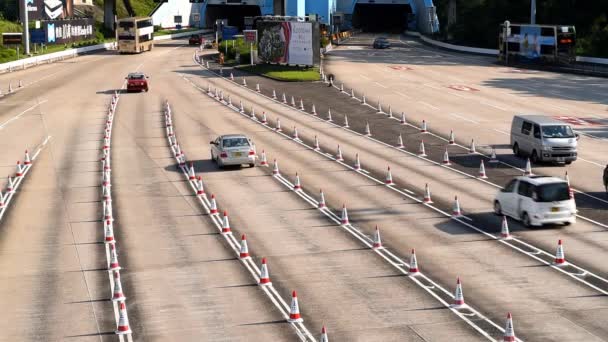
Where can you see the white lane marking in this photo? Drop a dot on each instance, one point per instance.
(428, 105)
(501, 131)
(591, 162)
(463, 118)
(401, 94)
(21, 114)
(363, 76)
(381, 85)
(432, 86)
(408, 191)
(494, 106)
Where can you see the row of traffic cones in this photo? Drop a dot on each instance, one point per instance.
(12, 180)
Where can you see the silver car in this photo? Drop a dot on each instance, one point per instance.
(233, 149)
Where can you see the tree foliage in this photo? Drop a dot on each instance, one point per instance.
(477, 21)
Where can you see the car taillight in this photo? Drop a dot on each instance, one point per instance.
(251, 153)
(223, 155)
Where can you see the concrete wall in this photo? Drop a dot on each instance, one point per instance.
(165, 14)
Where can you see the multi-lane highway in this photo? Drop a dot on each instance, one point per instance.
(182, 278)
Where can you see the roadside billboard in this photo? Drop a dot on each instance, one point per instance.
(289, 42)
(67, 31)
(49, 9)
(532, 41)
(251, 36)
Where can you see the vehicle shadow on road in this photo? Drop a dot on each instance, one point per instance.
(205, 166)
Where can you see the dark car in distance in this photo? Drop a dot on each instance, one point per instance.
(137, 81)
(606, 178)
(195, 39)
(381, 43)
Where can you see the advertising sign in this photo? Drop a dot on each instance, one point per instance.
(37, 36)
(67, 31)
(530, 40)
(251, 36)
(49, 9)
(289, 42)
(228, 32)
(12, 38)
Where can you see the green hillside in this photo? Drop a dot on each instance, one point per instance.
(142, 8)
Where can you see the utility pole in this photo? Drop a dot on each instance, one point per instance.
(533, 12)
(26, 29)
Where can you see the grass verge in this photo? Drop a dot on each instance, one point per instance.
(284, 72)
(166, 32)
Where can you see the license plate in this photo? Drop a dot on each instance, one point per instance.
(237, 154)
(554, 209)
(561, 159)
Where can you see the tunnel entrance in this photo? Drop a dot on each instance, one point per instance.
(381, 17)
(234, 14)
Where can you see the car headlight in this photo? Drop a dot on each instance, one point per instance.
(546, 148)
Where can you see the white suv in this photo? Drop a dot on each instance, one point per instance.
(537, 200)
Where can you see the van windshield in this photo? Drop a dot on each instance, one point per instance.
(558, 131)
(553, 192)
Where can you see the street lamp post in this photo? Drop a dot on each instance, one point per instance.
(533, 12)
(26, 29)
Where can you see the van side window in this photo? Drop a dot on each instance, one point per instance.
(524, 189)
(526, 127)
(537, 131)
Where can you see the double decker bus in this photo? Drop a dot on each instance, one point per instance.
(552, 44)
(135, 34)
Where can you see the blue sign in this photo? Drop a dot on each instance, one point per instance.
(37, 36)
(228, 32)
(50, 29)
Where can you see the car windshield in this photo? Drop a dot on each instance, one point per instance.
(136, 76)
(552, 192)
(558, 131)
(194, 36)
(235, 142)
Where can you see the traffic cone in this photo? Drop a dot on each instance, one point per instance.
(253, 117)
(423, 128)
(10, 87)
(264, 275)
(275, 170)
(114, 265)
(379, 107)
(191, 175)
(364, 101)
(297, 186)
(257, 88)
(317, 148)
(295, 133)
(208, 88)
(560, 258)
(324, 337)
(346, 121)
(451, 140)
(389, 177)
(368, 132)
(109, 232)
(241, 107)
(274, 94)
(400, 142)
(231, 77)
(263, 161)
(493, 158)
(225, 224)
(402, 121)
(244, 250)
(19, 172)
(106, 179)
(278, 125)
(509, 330)
(106, 194)
(427, 194)
(2, 199)
(313, 111)
(352, 92)
(344, 218)
(10, 187)
(570, 190)
(123, 320)
(421, 152)
(357, 163)
(244, 82)
(342, 87)
(339, 154)
(456, 209)
(107, 211)
(229, 100)
(528, 169)
(446, 157)
(301, 105)
(117, 294)
(377, 240)
(413, 264)
(264, 120)
(504, 230)
(458, 296)
(27, 160)
(472, 149)
(329, 115)
(213, 206)
(284, 98)
(200, 189)
(293, 101)
(390, 112)
(321, 204)
(20, 84)
(294, 311)
(217, 95)
(482, 170)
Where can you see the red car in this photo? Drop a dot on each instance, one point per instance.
(196, 39)
(137, 81)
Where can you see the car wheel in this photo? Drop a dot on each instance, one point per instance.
(568, 162)
(497, 208)
(567, 223)
(534, 157)
(220, 164)
(516, 151)
(525, 219)
(251, 165)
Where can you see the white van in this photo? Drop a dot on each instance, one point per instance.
(543, 139)
(537, 200)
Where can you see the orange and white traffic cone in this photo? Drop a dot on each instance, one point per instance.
(313, 110)
(504, 229)
(528, 169)
(296, 185)
(278, 125)
(106, 193)
(377, 240)
(123, 320)
(244, 82)
(321, 204)
(389, 177)
(274, 94)
(329, 115)
(402, 121)
(324, 337)
(231, 77)
(117, 294)
(509, 330)
(339, 154)
(213, 206)
(105, 181)
(423, 128)
(413, 264)
(107, 211)
(284, 98)
(482, 170)
(472, 148)
(191, 174)
(400, 142)
(27, 160)
(295, 133)
(257, 88)
(264, 275)
(10, 186)
(317, 148)
(275, 169)
(244, 253)
(293, 101)
(19, 171)
(346, 121)
(560, 258)
(421, 152)
(264, 119)
(294, 311)
(109, 232)
(446, 158)
(344, 217)
(390, 112)
(301, 105)
(368, 132)
(200, 189)
(458, 296)
(456, 209)
(106, 164)
(114, 265)
(493, 158)
(226, 224)
(357, 163)
(252, 113)
(263, 161)
(427, 194)
(451, 141)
